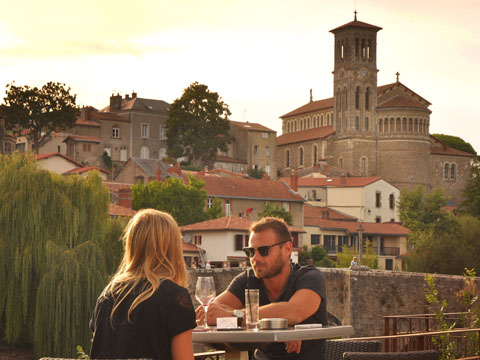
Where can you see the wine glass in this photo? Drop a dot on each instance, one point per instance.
(205, 293)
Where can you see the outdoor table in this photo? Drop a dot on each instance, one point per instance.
(237, 342)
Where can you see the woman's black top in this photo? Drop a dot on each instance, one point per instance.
(153, 324)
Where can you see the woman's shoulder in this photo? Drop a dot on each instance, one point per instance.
(171, 292)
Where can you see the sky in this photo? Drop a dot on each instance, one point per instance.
(262, 57)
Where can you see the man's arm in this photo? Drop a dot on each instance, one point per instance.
(303, 304)
(222, 306)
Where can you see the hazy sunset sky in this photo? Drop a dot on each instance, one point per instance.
(261, 56)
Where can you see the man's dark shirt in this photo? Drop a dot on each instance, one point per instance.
(301, 277)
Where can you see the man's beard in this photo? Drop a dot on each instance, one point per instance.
(275, 269)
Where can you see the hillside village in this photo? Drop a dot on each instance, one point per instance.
(331, 168)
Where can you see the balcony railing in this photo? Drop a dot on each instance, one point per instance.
(387, 251)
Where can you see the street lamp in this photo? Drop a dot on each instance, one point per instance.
(360, 230)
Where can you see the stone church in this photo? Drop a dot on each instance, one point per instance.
(369, 130)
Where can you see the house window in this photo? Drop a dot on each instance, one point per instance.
(329, 243)
(108, 150)
(138, 179)
(145, 131)
(452, 172)
(238, 242)
(315, 154)
(20, 147)
(255, 149)
(378, 219)
(246, 237)
(144, 153)
(315, 239)
(267, 151)
(388, 264)
(300, 156)
(86, 147)
(265, 135)
(287, 158)
(163, 132)
(162, 153)
(197, 239)
(227, 207)
(447, 170)
(209, 203)
(116, 132)
(123, 154)
(392, 201)
(378, 199)
(267, 169)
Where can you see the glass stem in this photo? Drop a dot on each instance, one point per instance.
(205, 324)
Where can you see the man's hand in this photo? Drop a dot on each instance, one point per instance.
(293, 346)
(199, 314)
(218, 310)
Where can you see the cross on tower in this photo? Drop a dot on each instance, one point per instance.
(398, 76)
(355, 12)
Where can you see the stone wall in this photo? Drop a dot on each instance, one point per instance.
(362, 298)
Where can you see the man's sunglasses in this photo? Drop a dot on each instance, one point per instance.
(262, 250)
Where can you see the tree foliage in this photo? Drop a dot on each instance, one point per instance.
(40, 110)
(471, 192)
(456, 143)
(317, 256)
(198, 125)
(369, 256)
(276, 211)
(421, 211)
(216, 211)
(52, 260)
(256, 173)
(186, 203)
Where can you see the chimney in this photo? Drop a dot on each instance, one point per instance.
(87, 113)
(294, 181)
(127, 96)
(158, 174)
(115, 102)
(125, 198)
(311, 96)
(134, 95)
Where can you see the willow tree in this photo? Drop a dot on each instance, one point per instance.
(52, 266)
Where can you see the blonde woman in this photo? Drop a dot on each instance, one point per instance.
(145, 311)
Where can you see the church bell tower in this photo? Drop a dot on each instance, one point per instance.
(355, 79)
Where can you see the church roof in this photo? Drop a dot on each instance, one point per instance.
(440, 148)
(334, 181)
(311, 106)
(400, 102)
(384, 88)
(305, 135)
(356, 23)
(251, 126)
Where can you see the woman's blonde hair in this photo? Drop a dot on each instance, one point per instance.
(154, 252)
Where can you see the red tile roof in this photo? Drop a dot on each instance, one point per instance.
(117, 210)
(86, 169)
(220, 172)
(443, 149)
(190, 247)
(334, 181)
(356, 23)
(229, 160)
(49, 155)
(116, 186)
(400, 102)
(251, 126)
(310, 107)
(315, 212)
(391, 229)
(86, 123)
(82, 138)
(305, 135)
(226, 223)
(230, 187)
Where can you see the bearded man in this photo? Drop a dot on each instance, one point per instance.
(296, 293)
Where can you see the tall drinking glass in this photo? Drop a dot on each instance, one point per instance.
(205, 293)
(251, 308)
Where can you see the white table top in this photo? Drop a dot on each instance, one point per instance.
(266, 336)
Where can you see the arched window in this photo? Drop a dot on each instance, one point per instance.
(452, 172)
(300, 156)
(367, 125)
(295, 126)
(308, 123)
(392, 125)
(363, 166)
(328, 119)
(321, 120)
(404, 126)
(399, 125)
(367, 98)
(446, 173)
(144, 153)
(357, 123)
(415, 129)
(287, 158)
(410, 125)
(315, 154)
(162, 153)
(380, 125)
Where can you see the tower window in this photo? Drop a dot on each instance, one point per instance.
(287, 158)
(357, 44)
(357, 123)
(300, 156)
(357, 97)
(367, 125)
(342, 51)
(367, 98)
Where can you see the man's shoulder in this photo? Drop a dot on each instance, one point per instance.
(305, 269)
